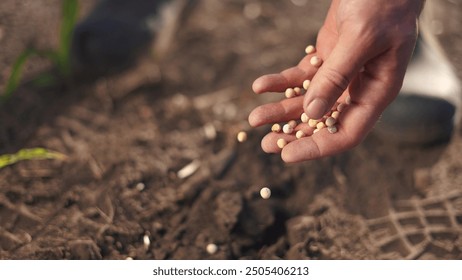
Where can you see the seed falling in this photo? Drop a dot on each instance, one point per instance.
(330, 121)
(265, 193)
(276, 127)
(281, 143)
(287, 129)
(315, 61)
(300, 134)
(310, 49)
(290, 92)
(306, 84)
(304, 118)
(242, 136)
(211, 248)
(312, 123)
(332, 129)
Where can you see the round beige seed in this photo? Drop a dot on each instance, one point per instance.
(335, 114)
(330, 121)
(265, 193)
(341, 107)
(298, 91)
(287, 129)
(312, 123)
(281, 143)
(304, 118)
(300, 134)
(348, 100)
(306, 84)
(290, 92)
(310, 49)
(276, 127)
(332, 129)
(211, 248)
(292, 123)
(316, 130)
(315, 61)
(242, 136)
(320, 125)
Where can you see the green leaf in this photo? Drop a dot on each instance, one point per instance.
(30, 154)
(69, 18)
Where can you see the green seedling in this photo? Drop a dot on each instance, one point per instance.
(29, 154)
(59, 57)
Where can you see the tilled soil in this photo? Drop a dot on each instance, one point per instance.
(129, 137)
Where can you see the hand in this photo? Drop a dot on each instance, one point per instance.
(365, 47)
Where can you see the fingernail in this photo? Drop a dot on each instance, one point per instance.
(316, 109)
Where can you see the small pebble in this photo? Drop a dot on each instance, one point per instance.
(310, 49)
(287, 129)
(242, 136)
(306, 84)
(281, 143)
(276, 127)
(300, 134)
(304, 118)
(332, 129)
(211, 248)
(315, 61)
(290, 92)
(330, 121)
(265, 193)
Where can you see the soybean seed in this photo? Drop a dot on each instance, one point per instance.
(330, 121)
(276, 127)
(312, 123)
(281, 143)
(348, 100)
(310, 49)
(306, 84)
(287, 129)
(298, 91)
(211, 248)
(300, 134)
(242, 136)
(292, 123)
(335, 114)
(341, 107)
(320, 125)
(332, 129)
(290, 92)
(265, 193)
(315, 61)
(316, 130)
(304, 118)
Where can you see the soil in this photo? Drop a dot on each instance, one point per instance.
(127, 136)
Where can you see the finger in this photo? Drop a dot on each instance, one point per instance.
(284, 110)
(291, 77)
(333, 78)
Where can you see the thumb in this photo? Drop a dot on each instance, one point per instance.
(333, 78)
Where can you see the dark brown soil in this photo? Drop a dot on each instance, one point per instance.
(127, 136)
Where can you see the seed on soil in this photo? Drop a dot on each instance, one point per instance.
(310, 49)
(189, 169)
(287, 129)
(265, 193)
(315, 61)
(146, 241)
(304, 118)
(290, 92)
(320, 125)
(312, 123)
(140, 186)
(330, 121)
(242, 136)
(306, 84)
(276, 127)
(332, 129)
(281, 143)
(211, 248)
(300, 134)
(335, 114)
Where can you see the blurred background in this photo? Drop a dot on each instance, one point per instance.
(146, 110)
